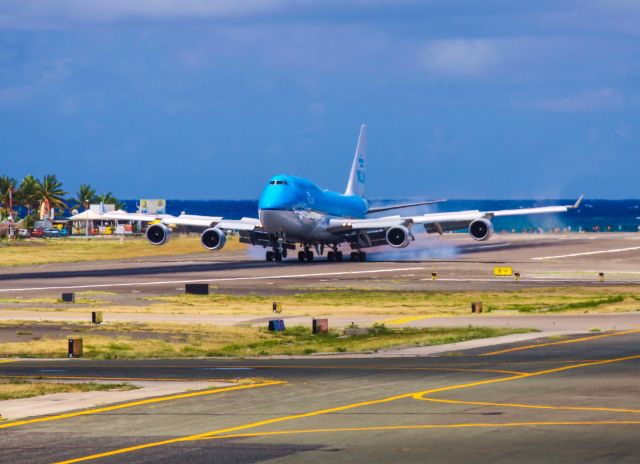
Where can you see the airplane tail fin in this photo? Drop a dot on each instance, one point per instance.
(357, 176)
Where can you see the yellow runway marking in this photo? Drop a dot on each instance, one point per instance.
(4, 361)
(415, 395)
(531, 406)
(403, 320)
(159, 399)
(562, 342)
(417, 427)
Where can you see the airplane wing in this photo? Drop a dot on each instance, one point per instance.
(370, 232)
(189, 220)
(404, 205)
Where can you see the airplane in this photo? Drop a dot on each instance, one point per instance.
(294, 211)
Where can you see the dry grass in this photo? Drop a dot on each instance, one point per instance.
(346, 302)
(382, 302)
(195, 340)
(11, 389)
(38, 251)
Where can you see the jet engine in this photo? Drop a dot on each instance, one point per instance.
(481, 229)
(213, 239)
(398, 236)
(158, 234)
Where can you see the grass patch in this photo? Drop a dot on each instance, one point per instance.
(37, 251)
(374, 302)
(196, 341)
(11, 389)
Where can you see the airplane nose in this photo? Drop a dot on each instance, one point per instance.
(279, 197)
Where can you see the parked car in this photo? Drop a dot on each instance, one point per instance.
(24, 233)
(37, 232)
(51, 232)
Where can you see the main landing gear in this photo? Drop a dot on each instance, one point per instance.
(358, 256)
(335, 256)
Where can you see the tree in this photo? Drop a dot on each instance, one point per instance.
(28, 194)
(85, 196)
(50, 189)
(7, 185)
(109, 199)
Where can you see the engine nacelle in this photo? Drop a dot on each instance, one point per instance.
(398, 237)
(213, 239)
(481, 229)
(158, 234)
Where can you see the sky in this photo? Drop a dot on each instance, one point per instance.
(205, 99)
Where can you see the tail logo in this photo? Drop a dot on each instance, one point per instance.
(360, 172)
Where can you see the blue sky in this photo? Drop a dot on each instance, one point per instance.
(208, 99)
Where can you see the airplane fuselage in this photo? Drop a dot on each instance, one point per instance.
(300, 210)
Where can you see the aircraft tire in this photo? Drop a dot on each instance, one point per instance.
(339, 256)
(301, 256)
(331, 256)
(278, 256)
(354, 256)
(270, 256)
(309, 255)
(362, 256)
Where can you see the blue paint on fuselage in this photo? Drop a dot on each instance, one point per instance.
(290, 193)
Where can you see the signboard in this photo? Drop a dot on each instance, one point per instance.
(153, 206)
(502, 271)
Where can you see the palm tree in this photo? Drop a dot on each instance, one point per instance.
(7, 186)
(50, 189)
(85, 196)
(109, 199)
(28, 193)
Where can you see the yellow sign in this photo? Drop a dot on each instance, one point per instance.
(502, 271)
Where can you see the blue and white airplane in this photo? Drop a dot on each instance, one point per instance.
(294, 211)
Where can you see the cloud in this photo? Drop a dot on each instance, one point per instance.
(462, 57)
(598, 100)
(54, 13)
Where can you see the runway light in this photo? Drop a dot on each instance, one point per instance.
(75, 348)
(196, 289)
(434, 276)
(96, 317)
(517, 275)
(320, 326)
(476, 307)
(277, 307)
(276, 325)
(601, 276)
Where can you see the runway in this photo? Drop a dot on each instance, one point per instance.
(570, 400)
(459, 263)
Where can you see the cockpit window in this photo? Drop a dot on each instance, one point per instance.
(279, 182)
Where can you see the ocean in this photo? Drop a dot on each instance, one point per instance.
(593, 215)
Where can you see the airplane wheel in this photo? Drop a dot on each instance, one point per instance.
(354, 256)
(278, 256)
(270, 256)
(284, 252)
(301, 256)
(339, 256)
(309, 255)
(362, 256)
(331, 256)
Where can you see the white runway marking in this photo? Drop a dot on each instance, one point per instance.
(529, 280)
(221, 279)
(587, 253)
